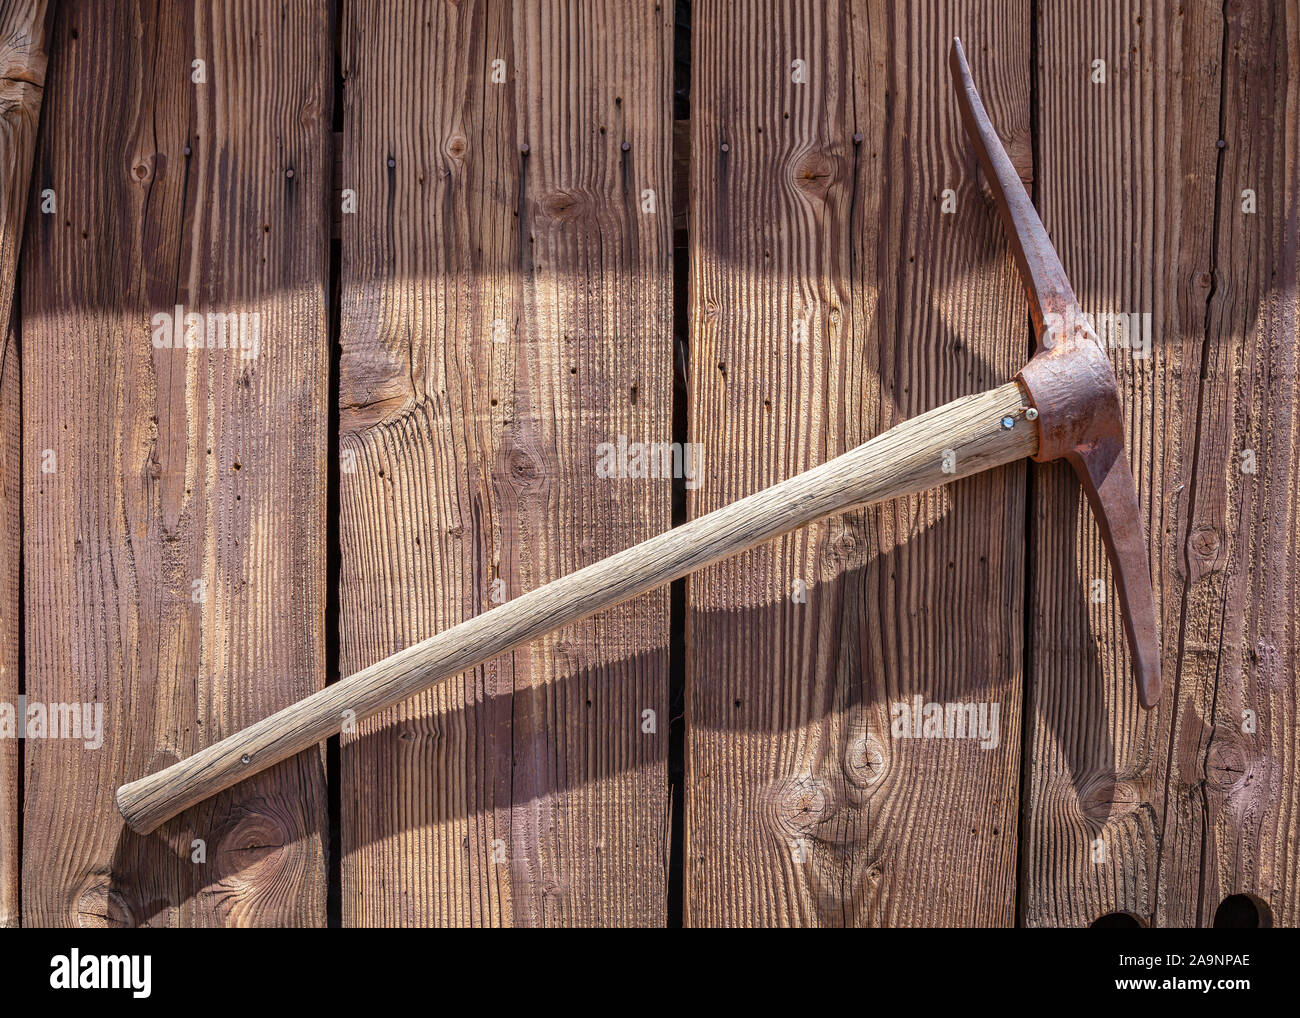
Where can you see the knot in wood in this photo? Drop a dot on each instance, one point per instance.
(814, 173)
(100, 904)
(1228, 766)
(456, 147)
(865, 761)
(842, 551)
(1103, 798)
(256, 840)
(801, 804)
(1205, 542)
(566, 205)
(522, 465)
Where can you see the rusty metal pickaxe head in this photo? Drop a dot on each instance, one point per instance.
(1070, 383)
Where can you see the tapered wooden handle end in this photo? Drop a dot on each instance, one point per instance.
(132, 803)
(149, 802)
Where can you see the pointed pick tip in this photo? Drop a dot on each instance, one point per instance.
(1143, 636)
(960, 70)
(957, 55)
(1149, 686)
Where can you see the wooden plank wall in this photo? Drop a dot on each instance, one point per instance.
(1161, 815)
(174, 498)
(507, 308)
(831, 297)
(22, 79)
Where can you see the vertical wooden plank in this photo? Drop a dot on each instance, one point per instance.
(1134, 223)
(1162, 815)
(832, 297)
(506, 308)
(174, 496)
(22, 80)
(10, 578)
(1234, 782)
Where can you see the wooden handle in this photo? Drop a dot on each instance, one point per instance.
(961, 438)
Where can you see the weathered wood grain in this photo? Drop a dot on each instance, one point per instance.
(1162, 815)
(174, 498)
(506, 307)
(22, 81)
(831, 297)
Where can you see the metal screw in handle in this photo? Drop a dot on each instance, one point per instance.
(1009, 422)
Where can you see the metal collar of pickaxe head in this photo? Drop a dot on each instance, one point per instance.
(1070, 383)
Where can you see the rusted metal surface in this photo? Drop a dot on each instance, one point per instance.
(1071, 383)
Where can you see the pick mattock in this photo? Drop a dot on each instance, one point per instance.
(1063, 404)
